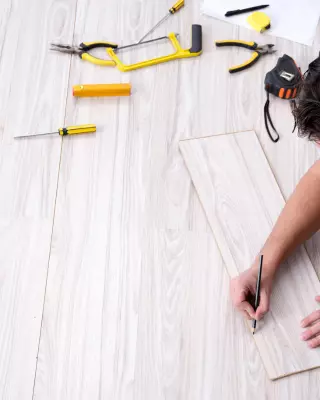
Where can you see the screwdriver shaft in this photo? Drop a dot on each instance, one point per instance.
(155, 27)
(36, 134)
(176, 7)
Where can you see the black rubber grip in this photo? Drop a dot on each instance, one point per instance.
(228, 43)
(96, 45)
(196, 46)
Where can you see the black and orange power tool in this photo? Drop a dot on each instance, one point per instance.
(282, 81)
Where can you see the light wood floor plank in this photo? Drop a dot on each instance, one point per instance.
(33, 86)
(242, 202)
(186, 345)
(115, 186)
(124, 206)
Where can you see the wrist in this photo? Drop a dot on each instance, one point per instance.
(270, 265)
(273, 254)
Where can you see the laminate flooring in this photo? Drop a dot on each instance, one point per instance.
(242, 202)
(108, 284)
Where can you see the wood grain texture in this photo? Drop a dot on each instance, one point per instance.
(113, 186)
(133, 298)
(242, 202)
(33, 84)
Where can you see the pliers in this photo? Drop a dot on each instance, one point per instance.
(258, 52)
(83, 49)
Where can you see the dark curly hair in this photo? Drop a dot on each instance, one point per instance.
(307, 110)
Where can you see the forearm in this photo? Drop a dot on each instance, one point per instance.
(298, 221)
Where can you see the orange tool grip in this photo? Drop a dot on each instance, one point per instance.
(108, 89)
(288, 94)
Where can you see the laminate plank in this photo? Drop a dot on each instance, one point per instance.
(87, 346)
(242, 202)
(113, 187)
(129, 241)
(186, 346)
(33, 94)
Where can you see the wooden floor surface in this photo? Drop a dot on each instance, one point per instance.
(110, 279)
(242, 202)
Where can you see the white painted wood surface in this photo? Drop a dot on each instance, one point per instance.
(120, 194)
(242, 202)
(33, 88)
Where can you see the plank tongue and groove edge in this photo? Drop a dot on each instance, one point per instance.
(242, 201)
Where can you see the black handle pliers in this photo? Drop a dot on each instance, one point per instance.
(83, 51)
(258, 52)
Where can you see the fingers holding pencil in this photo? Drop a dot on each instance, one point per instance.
(264, 304)
(257, 294)
(243, 290)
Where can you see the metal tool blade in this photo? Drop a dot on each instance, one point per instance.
(142, 43)
(35, 134)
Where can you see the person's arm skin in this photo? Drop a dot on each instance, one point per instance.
(298, 221)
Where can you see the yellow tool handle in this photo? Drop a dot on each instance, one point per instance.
(112, 89)
(254, 58)
(176, 7)
(75, 130)
(97, 61)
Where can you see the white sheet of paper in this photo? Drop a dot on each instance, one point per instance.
(294, 20)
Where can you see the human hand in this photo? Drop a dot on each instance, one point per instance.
(244, 286)
(312, 322)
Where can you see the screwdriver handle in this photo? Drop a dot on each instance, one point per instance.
(176, 7)
(75, 130)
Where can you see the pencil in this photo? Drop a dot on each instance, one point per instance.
(257, 298)
(245, 10)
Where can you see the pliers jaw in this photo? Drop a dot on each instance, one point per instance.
(266, 49)
(65, 48)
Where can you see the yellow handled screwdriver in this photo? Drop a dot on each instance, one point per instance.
(176, 7)
(68, 130)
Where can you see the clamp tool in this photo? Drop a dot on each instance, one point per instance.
(112, 49)
(258, 52)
